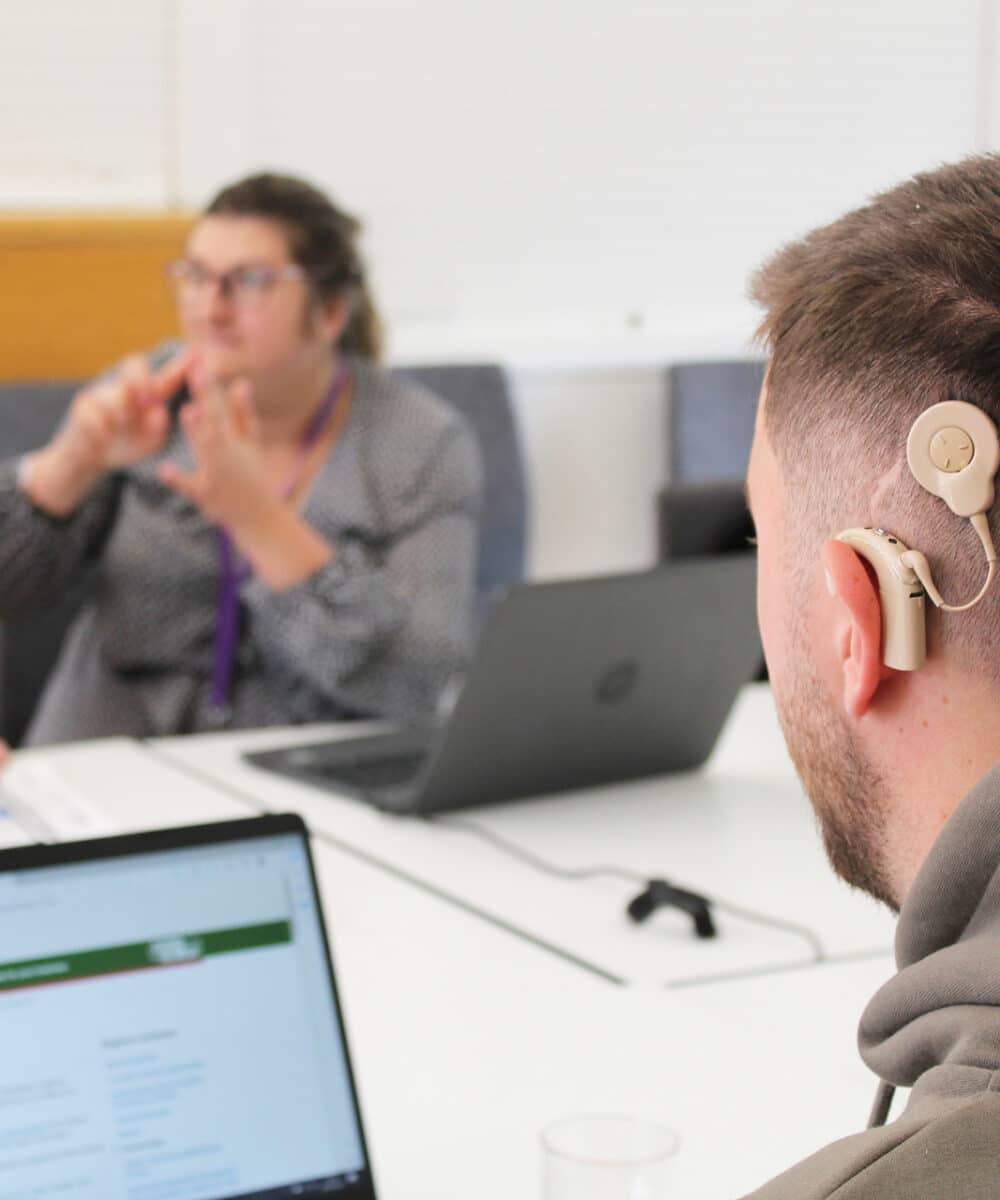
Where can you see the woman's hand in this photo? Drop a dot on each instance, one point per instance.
(230, 485)
(109, 425)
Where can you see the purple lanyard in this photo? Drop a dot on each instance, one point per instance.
(235, 571)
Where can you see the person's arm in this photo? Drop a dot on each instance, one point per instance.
(40, 554)
(56, 505)
(110, 424)
(384, 633)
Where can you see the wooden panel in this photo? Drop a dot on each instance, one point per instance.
(79, 291)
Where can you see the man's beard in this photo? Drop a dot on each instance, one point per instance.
(847, 793)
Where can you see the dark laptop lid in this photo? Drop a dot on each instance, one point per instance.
(169, 1022)
(575, 684)
(584, 682)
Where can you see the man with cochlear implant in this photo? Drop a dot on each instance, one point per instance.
(871, 484)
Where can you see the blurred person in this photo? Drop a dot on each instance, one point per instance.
(282, 531)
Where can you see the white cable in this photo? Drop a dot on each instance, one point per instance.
(919, 565)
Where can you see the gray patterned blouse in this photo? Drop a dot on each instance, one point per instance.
(380, 630)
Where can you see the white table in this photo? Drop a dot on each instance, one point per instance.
(467, 1040)
(739, 830)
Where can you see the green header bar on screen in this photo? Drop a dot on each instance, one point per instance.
(141, 956)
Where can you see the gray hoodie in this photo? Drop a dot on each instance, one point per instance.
(935, 1028)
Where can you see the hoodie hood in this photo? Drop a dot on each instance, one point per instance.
(938, 1019)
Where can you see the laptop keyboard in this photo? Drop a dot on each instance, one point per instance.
(377, 772)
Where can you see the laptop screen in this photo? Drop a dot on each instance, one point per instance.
(169, 1028)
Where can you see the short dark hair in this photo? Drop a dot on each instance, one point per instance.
(322, 239)
(868, 321)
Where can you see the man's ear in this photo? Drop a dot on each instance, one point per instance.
(857, 627)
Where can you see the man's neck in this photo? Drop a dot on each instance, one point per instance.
(934, 748)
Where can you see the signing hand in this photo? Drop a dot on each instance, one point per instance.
(229, 483)
(231, 486)
(109, 425)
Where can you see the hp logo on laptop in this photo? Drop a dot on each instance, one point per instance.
(617, 682)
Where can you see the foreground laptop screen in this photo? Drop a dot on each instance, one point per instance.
(168, 1030)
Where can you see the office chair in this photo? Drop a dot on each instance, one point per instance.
(703, 518)
(710, 417)
(711, 409)
(30, 642)
(481, 395)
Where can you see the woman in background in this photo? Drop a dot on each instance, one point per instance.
(283, 532)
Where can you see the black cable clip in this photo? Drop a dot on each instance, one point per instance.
(660, 894)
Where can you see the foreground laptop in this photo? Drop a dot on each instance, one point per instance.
(169, 1023)
(574, 684)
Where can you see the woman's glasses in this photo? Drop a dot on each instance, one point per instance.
(246, 285)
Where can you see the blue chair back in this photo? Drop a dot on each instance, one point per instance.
(29, 642)
(712, 408)
(481, 395)
(711, 414)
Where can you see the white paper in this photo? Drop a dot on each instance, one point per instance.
(47, 807)
(11, 834)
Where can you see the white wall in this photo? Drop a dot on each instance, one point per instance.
(571, 186)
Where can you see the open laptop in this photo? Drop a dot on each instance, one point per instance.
(574, 684)
(169, 1022)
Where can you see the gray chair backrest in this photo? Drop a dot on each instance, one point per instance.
(711, 412)
(481, 395)
(711, 408)
(703, 518)
(29, 642)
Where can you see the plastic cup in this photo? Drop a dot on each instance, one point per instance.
(607, 1157)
